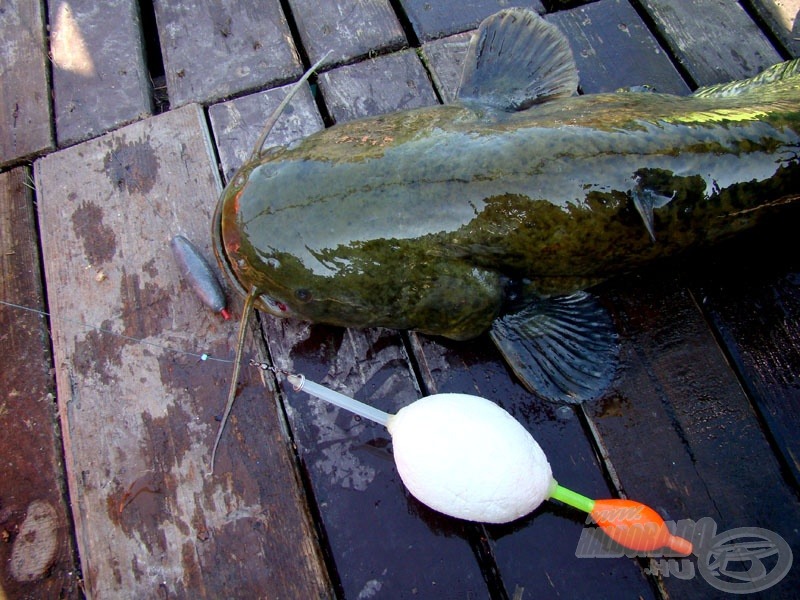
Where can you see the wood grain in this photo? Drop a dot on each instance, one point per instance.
(138, 417)
(36, 556)
(781, 16)
(213, 50)
(363, 89)
(24, 94)
(714, 40)
(434, 20)
(99, 81)
(349, 29)
(614, 49)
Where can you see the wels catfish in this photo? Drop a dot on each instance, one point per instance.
(496, 211)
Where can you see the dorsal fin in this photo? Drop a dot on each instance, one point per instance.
(775, 73)
(518, 59)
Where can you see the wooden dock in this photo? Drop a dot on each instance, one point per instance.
(112, 143)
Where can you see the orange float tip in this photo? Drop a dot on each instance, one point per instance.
(637, 526)
(225, 314)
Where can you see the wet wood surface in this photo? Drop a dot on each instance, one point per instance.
(700, 421)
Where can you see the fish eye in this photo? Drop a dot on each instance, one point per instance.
(303, 295)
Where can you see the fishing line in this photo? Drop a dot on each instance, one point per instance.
(202, 356)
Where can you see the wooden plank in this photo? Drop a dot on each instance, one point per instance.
(237, 123)
(679, 433)
(362, 89)
(36, 556)
(751, 293)
(379, 537)
(349, 29)
(613, 49)
(24, 95)
(781, 18)
(604, 36)
(536, 555)
(138, 418)
(714, 40)
(212, 50)
(99, 80)
(434, 20)
(445, 61)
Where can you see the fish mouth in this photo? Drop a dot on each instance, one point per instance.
(219, 249)
(263, 302)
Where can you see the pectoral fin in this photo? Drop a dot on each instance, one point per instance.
(564, 349)
(646, 196)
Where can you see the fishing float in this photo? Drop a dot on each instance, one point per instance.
(467, 457)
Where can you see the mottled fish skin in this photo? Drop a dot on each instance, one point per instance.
(425, 219)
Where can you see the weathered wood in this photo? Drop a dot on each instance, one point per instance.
(781, 16)
(613, 49)
(611, 45)
(349, 29)
(751, 293)
(216, 49)
(714, 40)
(99, 80)
(36, 553)
(445, 60)
(24, 93)
(678, 432)
(237, 123)
(536, 554)
(362, 89)
(433, 20)
(138, 417)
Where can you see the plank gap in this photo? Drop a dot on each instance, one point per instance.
(153, 57)
(662, 41)
(768, 32)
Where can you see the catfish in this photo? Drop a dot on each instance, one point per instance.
(496, 212)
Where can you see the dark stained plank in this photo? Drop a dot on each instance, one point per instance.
(212, 50)
(714, 40)
(138, 418)
(24, 94)
(613, 49)
(379, 537)
(349, 29)
(751, 294)
(781, 16)
(536, 554)
(99, 80)
(677, 430)
(362, 89)
(36, 553)
(237, 123)
(433, 20)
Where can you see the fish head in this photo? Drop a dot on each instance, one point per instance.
(369, 282)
